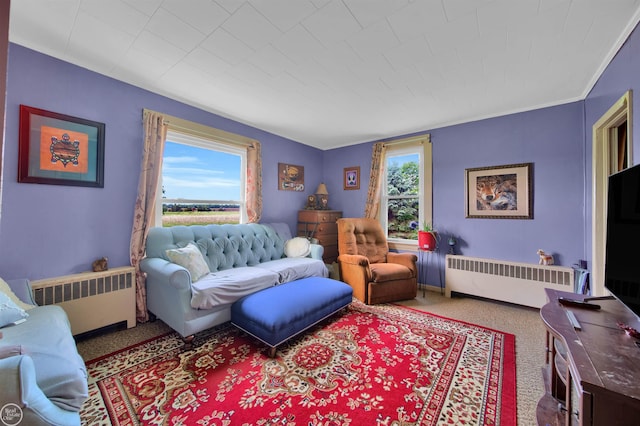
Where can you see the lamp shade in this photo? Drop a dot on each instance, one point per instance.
(322, 189)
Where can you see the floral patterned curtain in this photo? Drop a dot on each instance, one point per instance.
(154, 133)
(372, 204)
(254, 182)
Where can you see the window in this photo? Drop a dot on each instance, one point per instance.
(406, 190)
(202, 182)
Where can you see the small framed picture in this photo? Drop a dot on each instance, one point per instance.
(500, 192)
(290, 177)
(352, 177)
(58, 149)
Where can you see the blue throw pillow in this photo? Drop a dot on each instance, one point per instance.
(9, 311)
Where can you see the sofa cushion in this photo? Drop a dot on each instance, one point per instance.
(9, 311)
(46, 337)
(297, 247)
(191, 258)
(295, 268)
(227, 286)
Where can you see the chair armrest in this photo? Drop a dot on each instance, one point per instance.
(406, 259)
(316, 251)
(18, 384)
(22, 288)
(163, 272)
(355, 271)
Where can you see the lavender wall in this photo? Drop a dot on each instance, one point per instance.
(50, 230)
(551, 138)
(621, 75)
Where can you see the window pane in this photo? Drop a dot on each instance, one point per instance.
(199, 185)
(403, 202)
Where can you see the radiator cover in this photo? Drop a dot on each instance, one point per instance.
(91, 299)
(513, 282)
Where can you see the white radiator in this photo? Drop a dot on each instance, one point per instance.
(91, 299)
(513, 282)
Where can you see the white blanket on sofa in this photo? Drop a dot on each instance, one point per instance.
(229, 285)
(295, 268)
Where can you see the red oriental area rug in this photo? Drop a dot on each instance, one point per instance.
(369, 365)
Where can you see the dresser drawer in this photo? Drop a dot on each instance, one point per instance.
(317, 229)
(319, 216)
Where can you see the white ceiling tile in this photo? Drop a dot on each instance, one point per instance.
(44, 26)
(374, 39)
(106, 51)
(227, 47)
(174, 30)
(203, 15)
(207, 61)
(368, 13)
(284, 14)
(452, 34)
(158, 47)
(409, 53)
(230, 5)
(331, 24)
(140, 65)
(414, 19)
(252, 28)
(116, 14)
(148, 7)
(299, 45)
(271, 60)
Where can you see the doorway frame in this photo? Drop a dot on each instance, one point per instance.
(604, 135)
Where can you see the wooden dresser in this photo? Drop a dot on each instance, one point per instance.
(592, 372)
(321, 224)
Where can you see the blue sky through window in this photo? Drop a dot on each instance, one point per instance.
(194, 173)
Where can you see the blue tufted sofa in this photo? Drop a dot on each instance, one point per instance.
(241, 259)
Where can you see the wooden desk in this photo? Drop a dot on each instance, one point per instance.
(593, 372)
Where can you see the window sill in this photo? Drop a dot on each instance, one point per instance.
(403, 245)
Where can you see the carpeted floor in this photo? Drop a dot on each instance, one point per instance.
(524, 323)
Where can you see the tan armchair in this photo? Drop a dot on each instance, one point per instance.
(366, 264)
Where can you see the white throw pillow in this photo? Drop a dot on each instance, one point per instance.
(9, 311)
(6, 289)
(297, 247)
(191, 258)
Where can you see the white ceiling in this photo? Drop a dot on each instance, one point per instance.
(331, 73)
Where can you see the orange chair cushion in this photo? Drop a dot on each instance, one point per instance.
(383, 272)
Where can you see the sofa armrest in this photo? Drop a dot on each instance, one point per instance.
(355, 271)
(22, 288)
(406, 259)
(19, 387)
(163, 272)
(316, 251)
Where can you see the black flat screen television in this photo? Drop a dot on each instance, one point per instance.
(622, 265)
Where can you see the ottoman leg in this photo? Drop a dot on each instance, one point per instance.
(272, 352)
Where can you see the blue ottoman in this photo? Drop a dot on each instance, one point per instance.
(276, 314)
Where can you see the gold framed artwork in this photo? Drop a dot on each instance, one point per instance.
(499, 192)
(290, 177)
(351, 177)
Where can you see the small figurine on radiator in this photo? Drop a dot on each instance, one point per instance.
(545, 259)
(100, 265)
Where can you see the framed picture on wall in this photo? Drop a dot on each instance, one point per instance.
(58, 149)
(499, 192)
(290, 177)
(351, 177)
